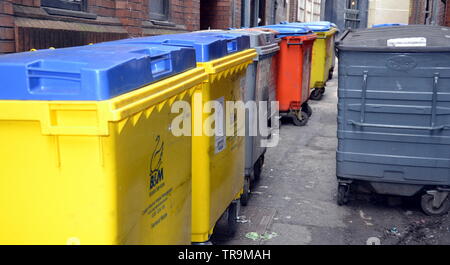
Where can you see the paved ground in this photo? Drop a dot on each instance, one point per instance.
(295, 200)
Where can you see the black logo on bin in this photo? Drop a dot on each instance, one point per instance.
(401, 63)
(156, 163)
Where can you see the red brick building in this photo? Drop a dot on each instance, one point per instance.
(220, 14)
(426, 12)
(224, 14)
(39, 24)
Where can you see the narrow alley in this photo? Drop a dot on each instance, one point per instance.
(295, 200)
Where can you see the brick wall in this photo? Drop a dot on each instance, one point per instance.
(220, 14)
(186, 12)
(442, 13)
(24, 24)
(105, 8)
(6, 27)
(214, 14)
(237, 13)
(131, 13)
(413, 12)
(447, 15)
(418, 12)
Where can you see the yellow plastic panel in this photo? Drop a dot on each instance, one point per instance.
(323, 54)
(106, 172)
(218, 173)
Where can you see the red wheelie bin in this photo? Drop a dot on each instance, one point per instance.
(294, 69)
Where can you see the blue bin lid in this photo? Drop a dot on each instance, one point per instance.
(318, 26)
(88, 72)
(388, 25)
(242, 40)
(208, 45)
(289, 30)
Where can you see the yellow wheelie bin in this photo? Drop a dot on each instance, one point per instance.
(323, 56)
(87, 153)
(218, 164)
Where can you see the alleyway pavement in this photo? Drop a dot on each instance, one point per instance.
(295, 200)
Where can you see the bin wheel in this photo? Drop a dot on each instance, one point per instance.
(427, 205)
(246, 194)
(317, 94)
(232, 214)
(257, 168)
(300, 118)
(307, 108)
(343, 194)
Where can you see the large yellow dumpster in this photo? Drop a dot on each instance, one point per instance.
(322, 62)
(218, 161)
(104, 168)
(323, 55)
(218, 168)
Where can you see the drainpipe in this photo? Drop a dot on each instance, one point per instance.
(256, 17)
(233, 14)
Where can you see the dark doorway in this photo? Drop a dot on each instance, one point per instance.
(207, 11)
(262, 13)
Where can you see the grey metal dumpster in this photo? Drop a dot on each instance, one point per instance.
(260, 87)
(394, 114)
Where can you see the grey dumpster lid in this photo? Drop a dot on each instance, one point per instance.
(257, 38)
(410, 38)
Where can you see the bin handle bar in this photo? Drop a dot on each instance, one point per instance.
(434, 100)
(339, 40)
(343, 36)
(435, 128)
(363, 97)
(291, 43)
(433, 112)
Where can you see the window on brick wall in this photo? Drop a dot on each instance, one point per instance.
(75, 5)
(159, 9)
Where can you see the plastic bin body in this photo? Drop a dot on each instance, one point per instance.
(323, 52)
(393, 110)
(218, 171)
(260, 87)
(95, 171)
(323, 58)
(218, 163)
(294, 66)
